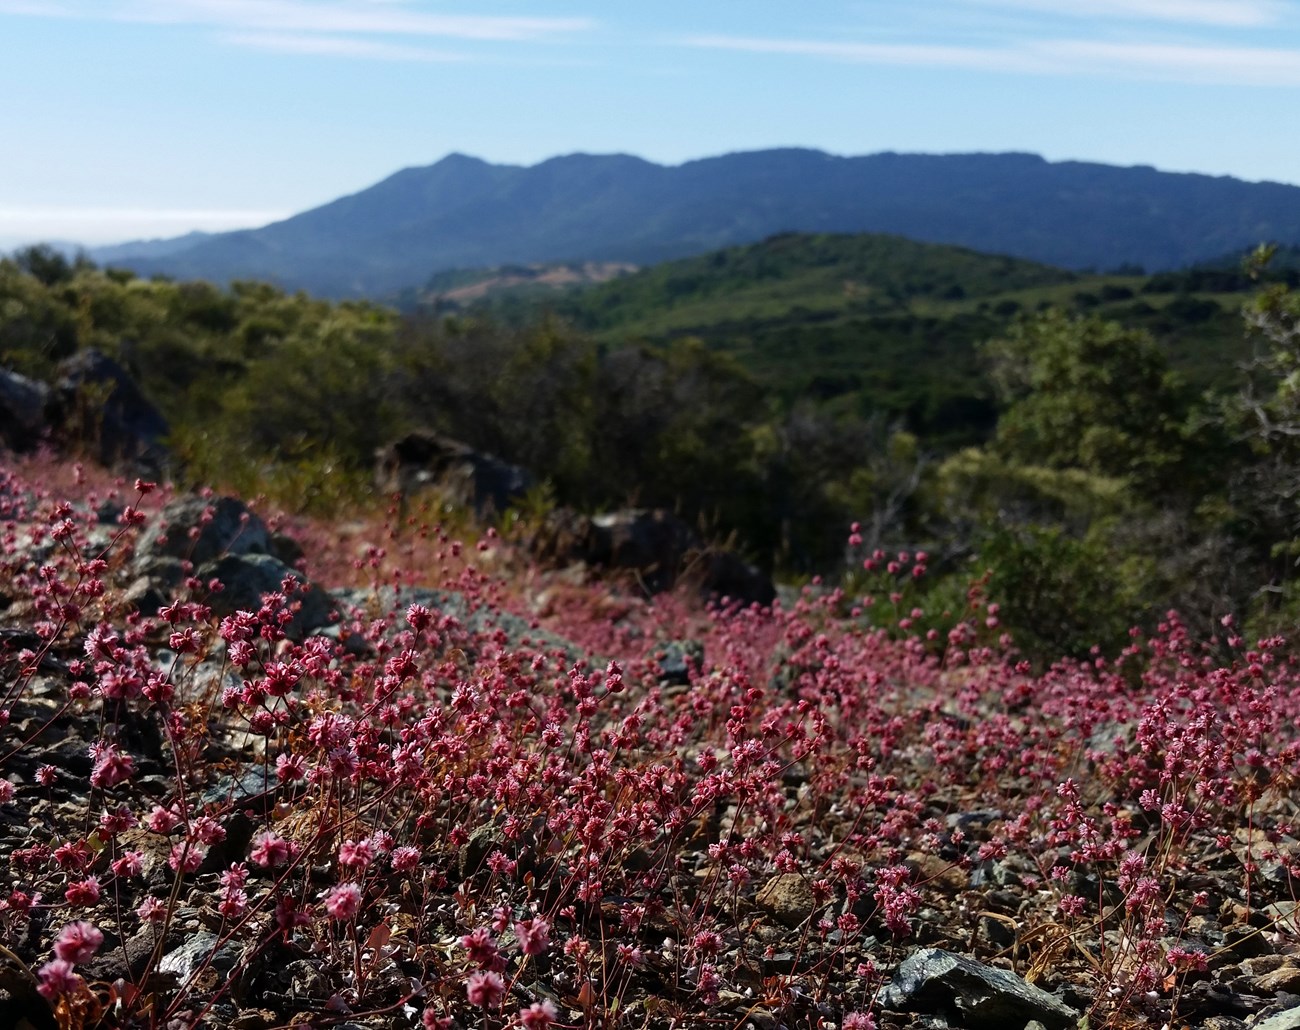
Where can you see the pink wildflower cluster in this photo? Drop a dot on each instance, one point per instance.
(442, 798)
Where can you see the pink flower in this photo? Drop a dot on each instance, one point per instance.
(83, 892)
(859, 1021)
(77, 942)
(234, 902)
(482, 948)
(270, 850)
(186, 857)
(405, 858)
(115, 821)
(534, 935)
(151, 910)
(356, 855)
(485, 989)
(208, 830)
(418, 617)
(430, 1020)
(538, 1016)
(235, 876)
(57, 979)
(162, 820)
(288, 916)
(111, 766)
(290, 768)
(344, 901)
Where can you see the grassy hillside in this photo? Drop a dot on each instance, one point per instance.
(875, 323)
(1067, 461)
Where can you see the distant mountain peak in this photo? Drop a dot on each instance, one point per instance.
(465, 212)
(457, 158)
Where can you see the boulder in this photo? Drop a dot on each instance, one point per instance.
(97, 407)
(726, 574)
(471, 479)
(652, 543)
(22, 410)
(245, 578)
(979, 996)
(565, 537)
(1288, 1019)
(200, 530)
(653, 547)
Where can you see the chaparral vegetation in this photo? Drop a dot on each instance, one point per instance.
(377, 766)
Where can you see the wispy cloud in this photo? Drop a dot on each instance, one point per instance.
(348, 17)
(1249, 66)
(336, 46)
(1226, 13)
(924, 54)
(34, 7)
(330, 17)
(1252, 66)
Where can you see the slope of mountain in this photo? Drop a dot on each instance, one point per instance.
(462, 286)
(805, 277)
(874, 323)
(464, 212)
(134, 250)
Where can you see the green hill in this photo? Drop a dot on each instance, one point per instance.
(871, 323)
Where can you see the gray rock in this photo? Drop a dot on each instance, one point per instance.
(1285, 913)
(676, 659)
(1288, 1020)
(652, 547)
(997, 932)
(245, 578)
(128, 960)
(483, 841)
(200, 950)
(287, 549)
(253, 782)
(147, 595)
(232, 530)
(304, 980)
(469, 620)
(22, 410)
(470, 478)
(938, 981)
(97, 407)
(1287, 979)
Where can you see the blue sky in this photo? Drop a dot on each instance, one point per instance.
(141, 118)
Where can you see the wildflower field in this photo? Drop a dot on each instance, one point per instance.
(485, 797)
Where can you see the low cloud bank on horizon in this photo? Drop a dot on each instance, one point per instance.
(97, 226)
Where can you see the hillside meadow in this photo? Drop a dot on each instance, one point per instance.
(1096, 451)
(465, 794)
(1014, 746)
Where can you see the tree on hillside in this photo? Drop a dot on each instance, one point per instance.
(1084, 393)
(1265, 417)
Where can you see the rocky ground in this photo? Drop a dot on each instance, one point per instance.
(453, 791)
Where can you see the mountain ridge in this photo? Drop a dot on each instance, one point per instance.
(463, 212)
